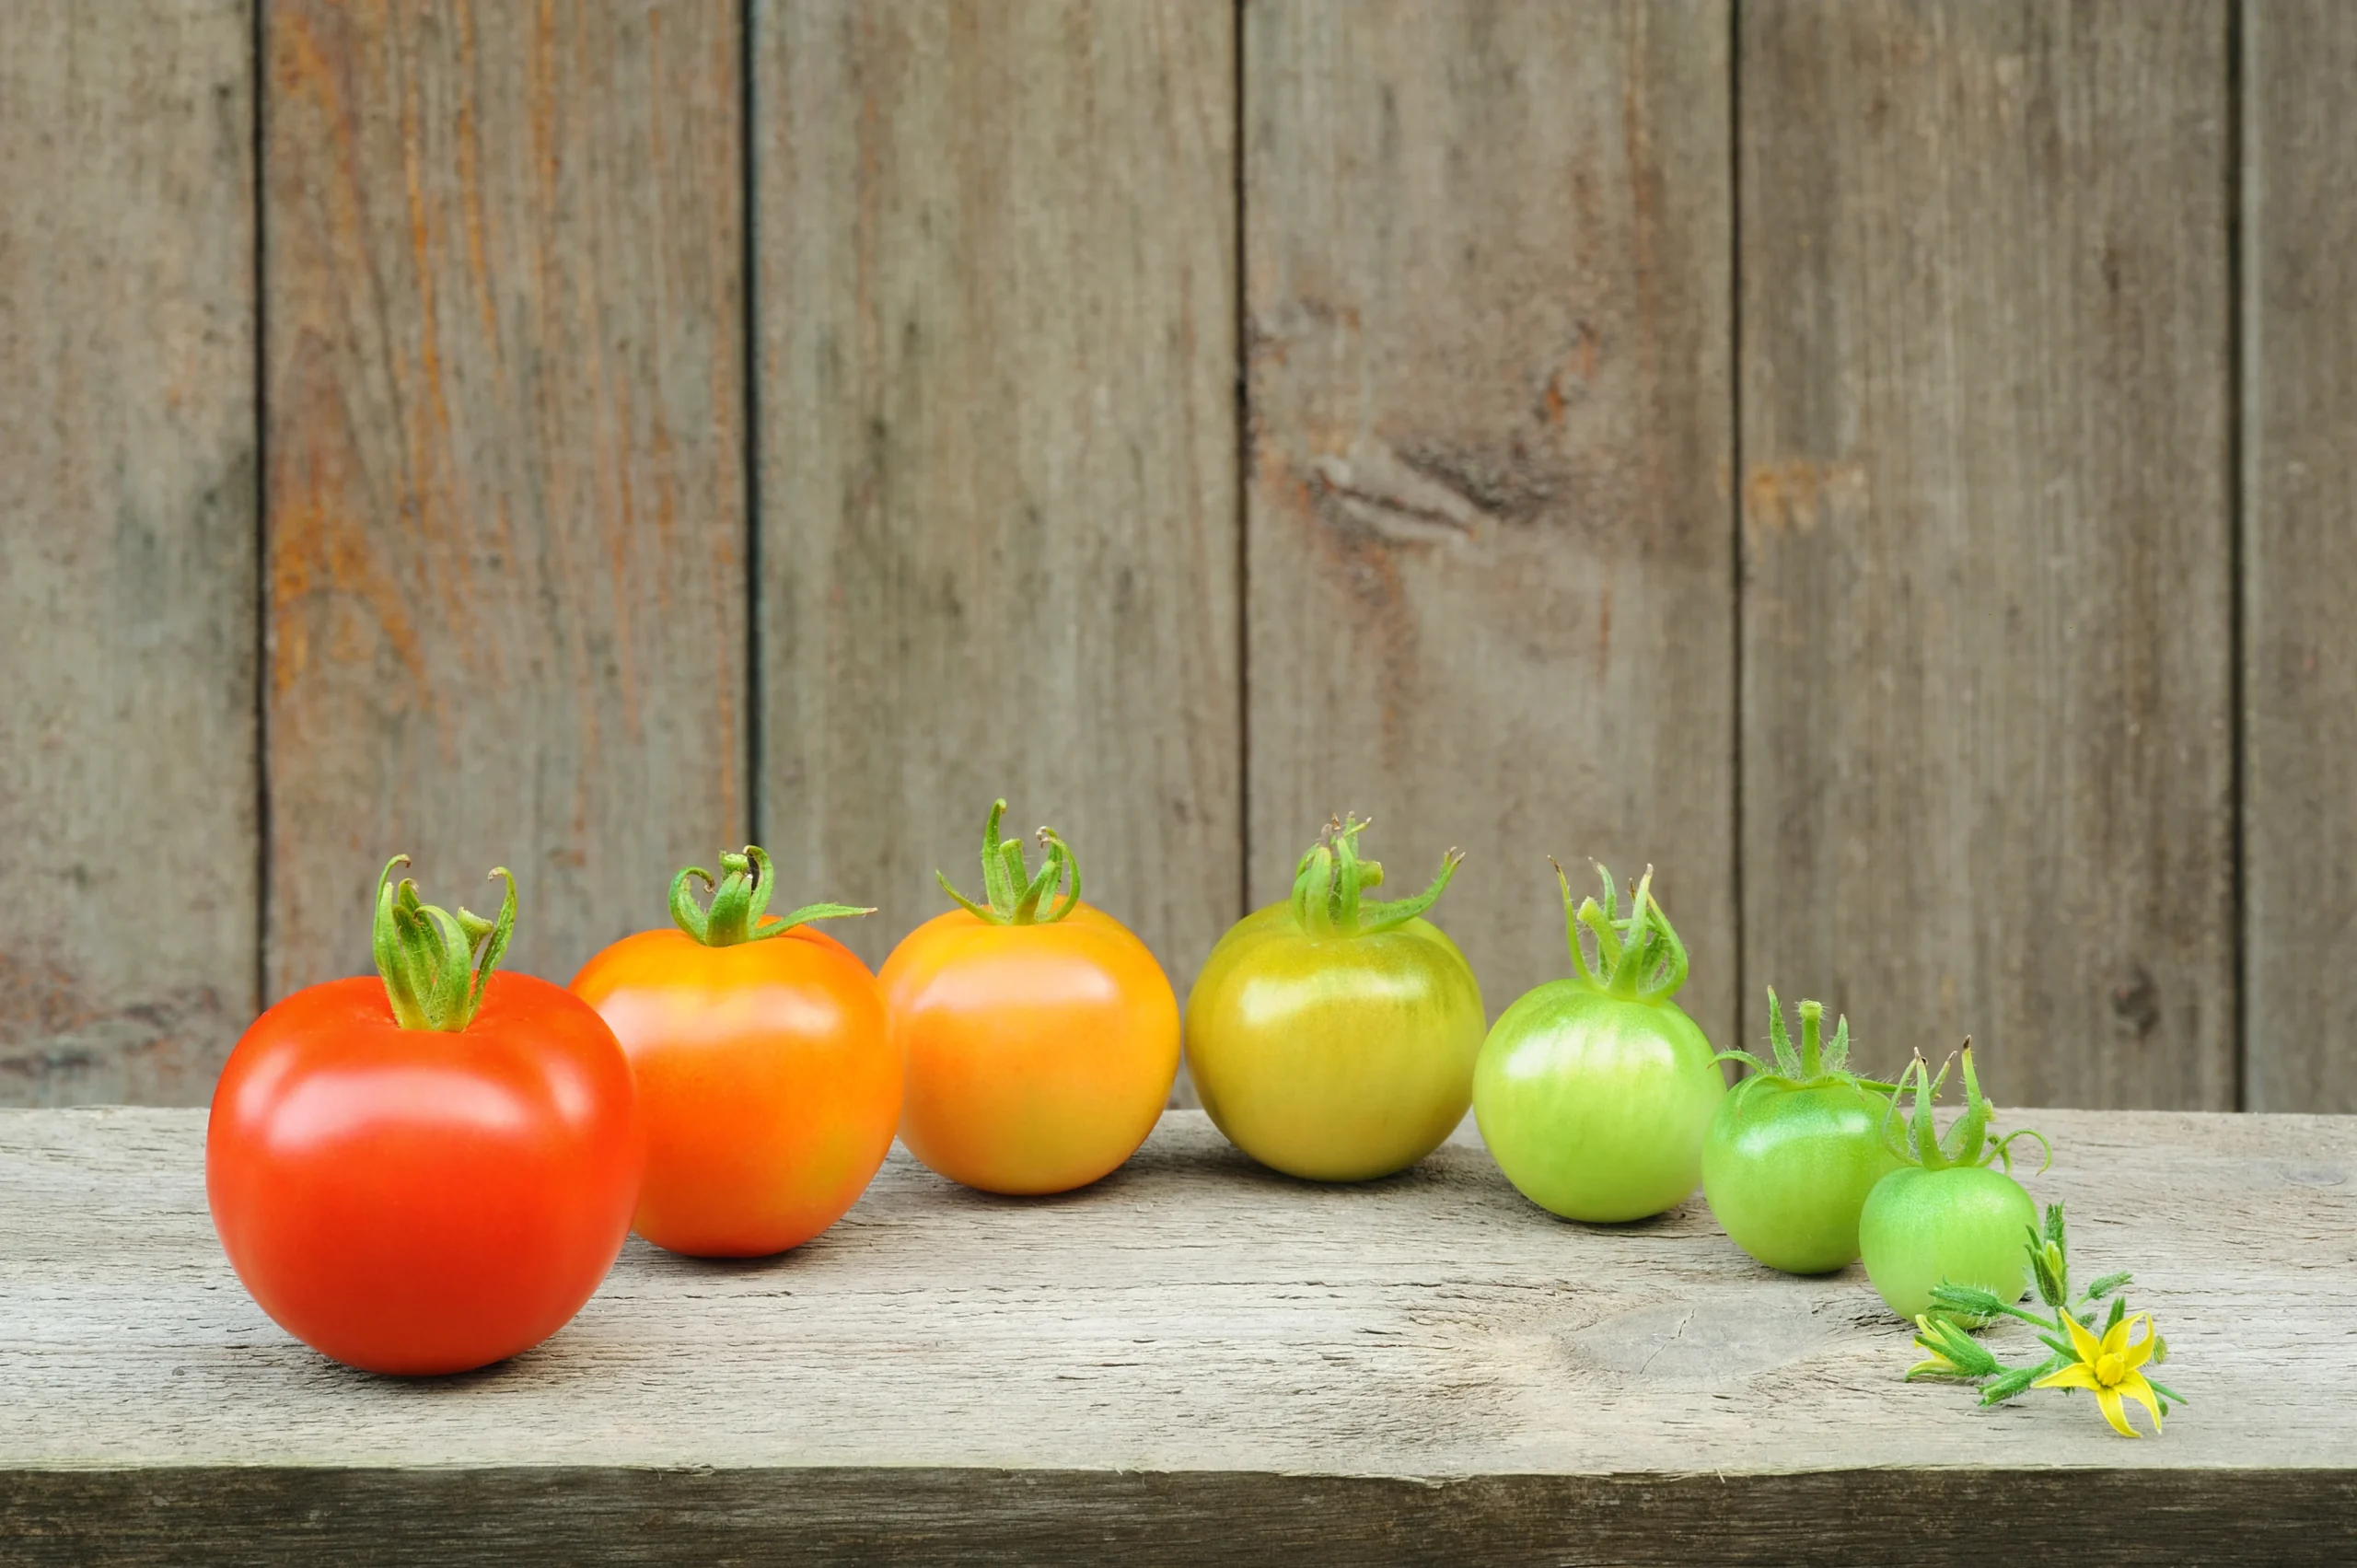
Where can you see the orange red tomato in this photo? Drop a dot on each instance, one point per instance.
(766, 1075)
(431, 1170)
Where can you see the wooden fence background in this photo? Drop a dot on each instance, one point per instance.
(1889, 465)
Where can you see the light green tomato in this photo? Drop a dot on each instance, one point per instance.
(1963, 1225)
(1596, 1104)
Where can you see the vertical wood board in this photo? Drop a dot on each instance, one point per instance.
(1987, 752)
(998, 506)
(2300, 552)
(505, 485)
(1491, 594)
(127, 556)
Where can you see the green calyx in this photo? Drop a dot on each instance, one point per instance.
(740, 902)
(1968, 1142)
(1328, 883)
(1817, 1062)
(1018, 897)
(436, 965)
(1638, 956)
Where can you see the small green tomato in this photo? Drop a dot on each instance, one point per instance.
(1594, 1092)
(1944, 1216)
(1795, 1147)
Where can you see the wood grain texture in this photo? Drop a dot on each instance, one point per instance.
(128, 835)
(1190, 1359)
(1987, 754)
(998, 452)
(1492, 595)
(2299, 554)
(505, 482)
(528, 1517)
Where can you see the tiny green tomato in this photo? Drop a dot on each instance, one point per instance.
(1944, 1216)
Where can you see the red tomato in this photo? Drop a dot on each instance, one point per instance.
(1040, 1043)
(423, 1199)
(766, 1074)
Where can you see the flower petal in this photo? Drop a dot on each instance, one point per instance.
(2115, 1339)
(2135, 1387)
(2078, 1375)
(2109, 1399)
(2140, 1353)
(2090, 1349)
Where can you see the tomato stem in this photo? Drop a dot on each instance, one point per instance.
(436, 965)
(1968, 1142)
(1329, 880)
(1015, 896)
(739, 898)
(1639, 956)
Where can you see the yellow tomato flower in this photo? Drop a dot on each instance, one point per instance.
(2107, 1368)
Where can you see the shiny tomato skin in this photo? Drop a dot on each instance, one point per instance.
(415, 1201)
(1966, 1225)
(1595, 1105)
(1786, 1168)
(1038, 1056)
(1336, 1058)
(766, 1077)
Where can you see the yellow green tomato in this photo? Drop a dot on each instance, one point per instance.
(1793, 1150)
(1947, 1217)
(1594, 1092)
(1332, 1038)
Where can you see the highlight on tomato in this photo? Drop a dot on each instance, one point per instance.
(1040, 1036)
(431, 1170)
(1594, 1092)
(1944, 1216)
(1332, 1037)
(1794, 1148)
(767, 1078)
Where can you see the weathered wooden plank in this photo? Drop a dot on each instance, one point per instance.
(1080, 1519)
(2299, 554)
(1986, 764)
(1394, 1370)
(505, 482)
(1491, 593)
(128, 837)
(997, 321)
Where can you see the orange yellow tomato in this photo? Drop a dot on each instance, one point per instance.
(1040, 1036)
(767, 1079)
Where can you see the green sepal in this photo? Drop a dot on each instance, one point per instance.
(2109, 1284)
(1954, 1354)
(1014, 896)
(1813, 1065)
(2016, 1381)
(2051, 1270)
(1966, 1143)
(1639, 956)
(1330, 882)
(436, 966)
(740, 899)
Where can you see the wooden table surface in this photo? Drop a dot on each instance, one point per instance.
(1194, 1360)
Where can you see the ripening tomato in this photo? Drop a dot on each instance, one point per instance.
(766, 1074)
(1040, 1036)
(1794, 1148)
(1334, 1039)
(1946, 1218)
(1594, 1092)
(429, 1172)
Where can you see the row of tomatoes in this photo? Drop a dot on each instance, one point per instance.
(433, 1170)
